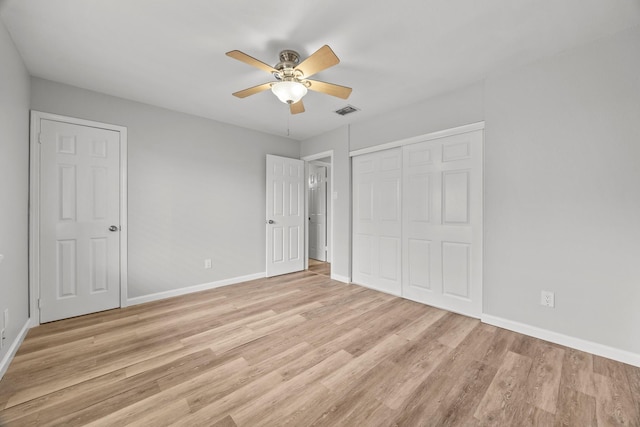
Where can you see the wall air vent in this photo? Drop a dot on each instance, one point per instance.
(347, 110)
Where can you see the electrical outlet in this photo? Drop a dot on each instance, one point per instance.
(5, 325)
(207, 263)
(547, 299)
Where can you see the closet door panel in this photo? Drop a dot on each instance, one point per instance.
(442, 205)
(377, 220)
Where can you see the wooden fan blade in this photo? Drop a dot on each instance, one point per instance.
(297, 108)
(243, 57)
(321, 59)
(330, 89)
(252, 90)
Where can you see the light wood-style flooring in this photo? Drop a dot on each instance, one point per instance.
(303, 350)
(320, 267)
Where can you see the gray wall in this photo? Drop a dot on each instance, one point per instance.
(449, 110)
(14, 187)
(562, 201)
(562, 185)
(196, 188)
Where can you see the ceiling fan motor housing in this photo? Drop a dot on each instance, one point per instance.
(289, 59)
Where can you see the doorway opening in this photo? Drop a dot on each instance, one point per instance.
(319, 209)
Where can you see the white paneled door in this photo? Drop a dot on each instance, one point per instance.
(79, 220)
(317, 212)
(442, 222)
(377, 220)
(285, 215)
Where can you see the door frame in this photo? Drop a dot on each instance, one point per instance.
(307, 160)
(34, 205)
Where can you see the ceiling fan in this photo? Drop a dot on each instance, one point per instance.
(293, 76)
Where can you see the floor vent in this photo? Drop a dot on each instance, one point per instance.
(347, 110)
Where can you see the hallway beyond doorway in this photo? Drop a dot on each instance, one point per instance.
(319, 267)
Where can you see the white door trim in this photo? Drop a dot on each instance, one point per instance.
(34, 205)
(306, 160)
(420, 138)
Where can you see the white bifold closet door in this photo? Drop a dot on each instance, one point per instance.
(377, 220)
(417, 222)
(442, 223)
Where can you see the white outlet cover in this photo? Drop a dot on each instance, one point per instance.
(547, 299)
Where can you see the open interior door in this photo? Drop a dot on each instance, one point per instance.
(317, 212)
(285, 215)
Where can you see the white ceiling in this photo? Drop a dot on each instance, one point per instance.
(171, 53)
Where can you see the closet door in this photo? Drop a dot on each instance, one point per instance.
(377, 220)
(442, 223)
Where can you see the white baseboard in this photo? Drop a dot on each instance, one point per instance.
(194, 288)
(566, 340)
(373, 288)
(6, 360)
(343, 279)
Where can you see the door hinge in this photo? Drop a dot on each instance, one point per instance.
(40, 138)
(39, 303)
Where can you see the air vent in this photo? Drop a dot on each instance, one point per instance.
(347, 110)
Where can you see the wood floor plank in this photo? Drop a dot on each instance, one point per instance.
(355, 310)
(422, 323)
(633, 376)
(318, 354)
(246, 375)
(474, 345)
(544, 379)
(575, 409)
(361, 411)
(614, 401)
(416, 363)
(214, 333)
(231, 401)
(71, 376)
(61, 397)
(420, 406)
(458, 331)
(280, 401)
(357, 403)
(225, 422)
(499, 346)
(360, 365)
(506, 392)
(460, 403)
(166, 397)
(302, 349)
(103, 396)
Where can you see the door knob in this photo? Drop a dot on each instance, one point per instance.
(113, 228)
(271, 221)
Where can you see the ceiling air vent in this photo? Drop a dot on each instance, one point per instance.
(347, 110)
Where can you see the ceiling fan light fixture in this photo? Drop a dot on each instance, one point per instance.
(289, 92)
